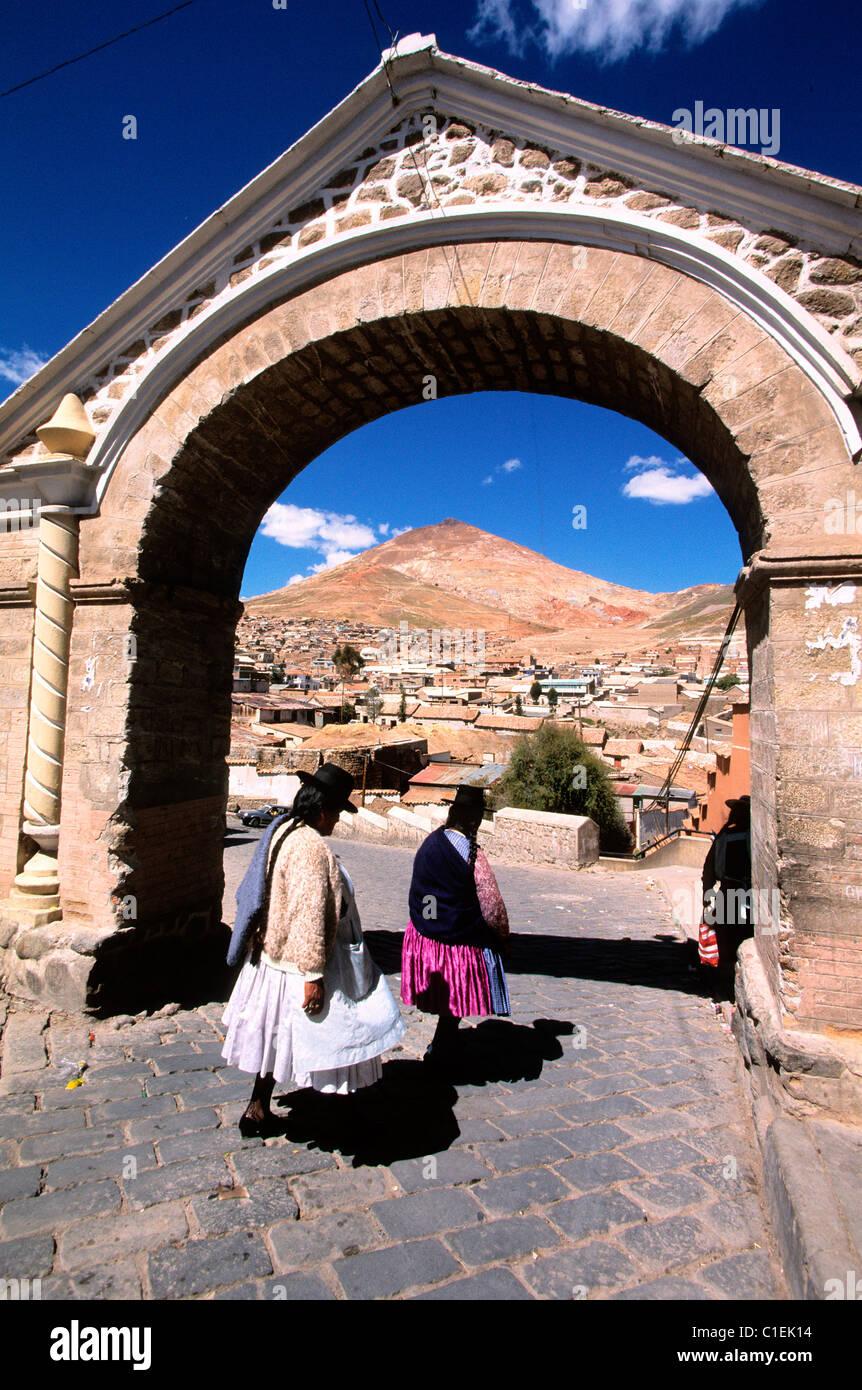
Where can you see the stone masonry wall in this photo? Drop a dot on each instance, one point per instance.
(466, 165)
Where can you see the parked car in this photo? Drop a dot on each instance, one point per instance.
(261, 816)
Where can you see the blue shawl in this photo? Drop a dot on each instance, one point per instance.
(444, 904)
(251, 896)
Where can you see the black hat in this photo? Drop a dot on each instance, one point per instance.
(335, 784)
(470, 798)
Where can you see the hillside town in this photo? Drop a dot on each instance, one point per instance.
(412, 732)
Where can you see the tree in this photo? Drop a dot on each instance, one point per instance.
(402, 707)
(277, 675)
(519, 705)
(535, 692)
(373, 703)
(552, 770)
(348, 663)
(726, 682)
(553, 698)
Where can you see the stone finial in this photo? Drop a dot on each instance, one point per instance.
(69, 430)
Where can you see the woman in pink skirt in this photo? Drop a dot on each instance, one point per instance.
(450, 962)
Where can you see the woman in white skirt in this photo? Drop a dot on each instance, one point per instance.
(310, 1007)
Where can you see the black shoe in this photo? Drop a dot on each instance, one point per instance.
(252, 1128)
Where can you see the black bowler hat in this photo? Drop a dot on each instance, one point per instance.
(470, 798)
(335, 784)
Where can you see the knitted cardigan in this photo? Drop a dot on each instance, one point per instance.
(304, 902)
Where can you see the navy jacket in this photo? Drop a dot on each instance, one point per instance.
(251, 895)
(444, 904)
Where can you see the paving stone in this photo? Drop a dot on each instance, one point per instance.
(477, 1132)
(660, 1155)
(660, 1124)
(90, 1093)
(530, 1122)
(77, 1141)
(589, 1139)
(489, 1285)
(102, 1072)
(100, 1240)
(20, 1182)
(173, 1148)
(665, 1076)
(539, 1098)
(504, 1239)
(268, 1200)
(118, 1282)
(173, 1083)
(677, 1240)
(606, 1108)
(667, 1097)
(738, 1221)
(672, 1290)
(279, 1161)
(29, 1258)
(226, 1093)
(318, 1193)
(201, 1265)
(290, 1288)
(180, 1122)
(594, 1214)
(668, 1192)
(517, 1192)
(386, 1273)
(40, 1122)
(138, 1109)
(113, 1163)
(612, 1085)
(446, 1169)
(427, 1213)
(297, 1243)
(175, 1180)
(747, 1276)
(596, 1170)
(523, 1153)
(580, 1273)
(45, 1213)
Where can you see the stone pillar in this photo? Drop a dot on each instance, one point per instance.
(804, 626)
(35, 897)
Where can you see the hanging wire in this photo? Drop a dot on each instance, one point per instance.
(664, 792)
(98, 48)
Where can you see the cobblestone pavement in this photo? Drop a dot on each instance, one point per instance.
(598, 1145)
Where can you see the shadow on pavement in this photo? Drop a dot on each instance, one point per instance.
(410, 1112)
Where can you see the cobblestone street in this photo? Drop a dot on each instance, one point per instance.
(596, 1145)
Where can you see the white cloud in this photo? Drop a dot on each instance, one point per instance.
(486, 481)
(333, 558)
(510, 465)
(383, 528)
(20, 366)
(399, 531)
(296, 579)
(663, 483)
(306, 528)
(610, 29)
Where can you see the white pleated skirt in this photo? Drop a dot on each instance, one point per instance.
(336, 1051)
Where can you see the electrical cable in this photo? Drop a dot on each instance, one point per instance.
(98, 48)
(664, 791)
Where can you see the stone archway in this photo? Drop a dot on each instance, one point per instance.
(213, 413)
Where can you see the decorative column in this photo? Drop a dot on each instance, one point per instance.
(35, 897)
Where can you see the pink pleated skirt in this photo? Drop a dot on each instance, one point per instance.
(451, 980)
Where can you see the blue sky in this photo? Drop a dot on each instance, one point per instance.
(219, 89)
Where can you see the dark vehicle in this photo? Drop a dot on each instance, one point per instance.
(257, 819)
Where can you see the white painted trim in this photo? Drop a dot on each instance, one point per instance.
(816, 352)
(804, 204)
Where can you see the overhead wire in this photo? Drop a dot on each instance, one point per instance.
(663, 796)
(69, 62)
